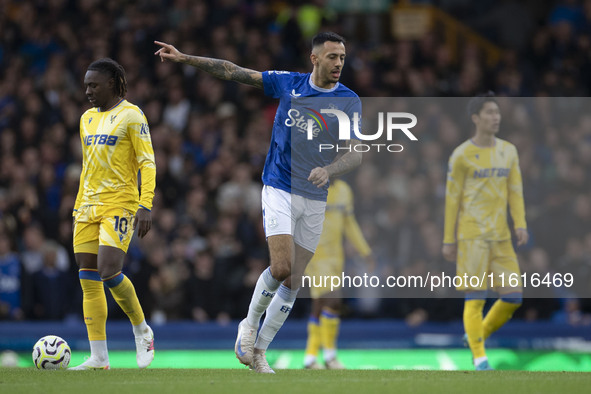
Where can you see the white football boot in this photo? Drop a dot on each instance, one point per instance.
(91, 364)
(259, 363)
(334, 364)
(144, 346)
(244, 346)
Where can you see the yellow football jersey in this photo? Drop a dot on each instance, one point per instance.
(339, 221)
(115, 145)
(481, 181)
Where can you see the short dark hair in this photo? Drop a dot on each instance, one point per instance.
(114, 70)
(476, 103)
(321, 38)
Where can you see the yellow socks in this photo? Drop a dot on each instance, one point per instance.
(498, 315)
(314, 340)
(124, 293)
(322, 332)
(474, 327)
(94, 304)
(329, 329)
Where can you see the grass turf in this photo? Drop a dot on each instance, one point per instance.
(385, 359)
(29, 380)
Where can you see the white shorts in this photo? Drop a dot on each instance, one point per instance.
(300, 217)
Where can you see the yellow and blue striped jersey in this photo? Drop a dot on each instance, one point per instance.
(115, 145)
(339, 221)
(481, 181)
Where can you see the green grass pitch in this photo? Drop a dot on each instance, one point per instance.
(374, 359)
(29, 380)
(372, 371)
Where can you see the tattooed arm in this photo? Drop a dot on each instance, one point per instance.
(222, 69)
(319, 176)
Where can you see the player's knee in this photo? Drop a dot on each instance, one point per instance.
(109, 261)
(108, 270)
(280, 270)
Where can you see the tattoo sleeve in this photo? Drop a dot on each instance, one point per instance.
(345, 163)
(226, 70)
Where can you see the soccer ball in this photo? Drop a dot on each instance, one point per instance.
(51, 352)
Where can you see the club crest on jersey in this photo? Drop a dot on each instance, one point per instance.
(113, 118)
(331, 106)
(89, 120)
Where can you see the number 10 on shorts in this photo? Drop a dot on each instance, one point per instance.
(121, 224)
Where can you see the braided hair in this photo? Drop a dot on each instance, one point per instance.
(114, 70)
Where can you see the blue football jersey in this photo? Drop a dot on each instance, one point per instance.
(293, 152)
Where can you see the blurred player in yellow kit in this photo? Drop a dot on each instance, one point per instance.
(329, 259)
(116, 144)
(483, 178)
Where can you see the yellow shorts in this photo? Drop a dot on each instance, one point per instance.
(321, 272)
(96, 225)
(477, 257)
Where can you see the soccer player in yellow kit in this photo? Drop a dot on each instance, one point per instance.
(483, 178)
(329, 259)
(116, 144)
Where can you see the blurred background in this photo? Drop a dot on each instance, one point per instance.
(199, 263)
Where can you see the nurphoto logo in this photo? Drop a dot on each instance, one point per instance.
(345, 126)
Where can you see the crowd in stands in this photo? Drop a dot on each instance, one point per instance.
(207, 248)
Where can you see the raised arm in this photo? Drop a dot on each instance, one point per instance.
(222, 69)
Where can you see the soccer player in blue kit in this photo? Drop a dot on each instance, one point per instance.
(295, 178)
